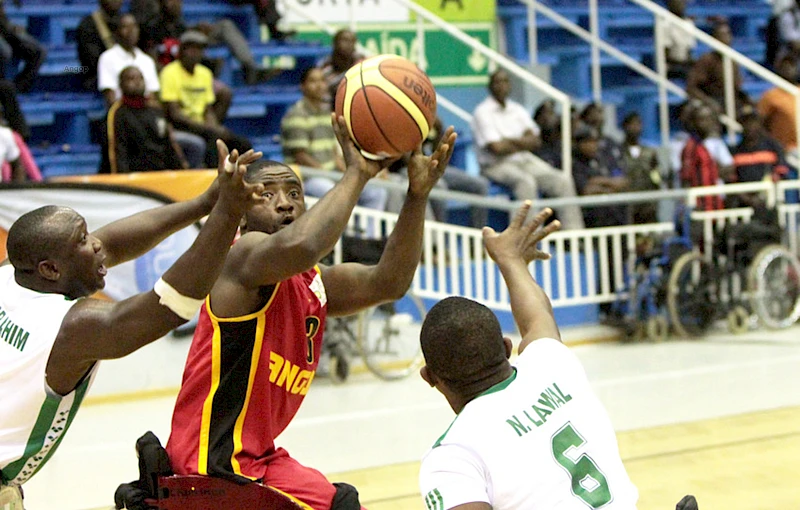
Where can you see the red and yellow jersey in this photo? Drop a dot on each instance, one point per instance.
(244, 380)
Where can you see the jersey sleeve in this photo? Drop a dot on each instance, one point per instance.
(451, 476)
(546, 348)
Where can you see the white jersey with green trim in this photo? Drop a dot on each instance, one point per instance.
(541, 439)
(33, 418)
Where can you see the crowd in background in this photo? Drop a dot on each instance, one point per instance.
(167, 106)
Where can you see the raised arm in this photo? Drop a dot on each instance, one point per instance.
(260, 259)
(131, 237)
(352, 287)
(513, 250)
(95, 329)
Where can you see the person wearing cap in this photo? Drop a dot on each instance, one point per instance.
(161, 34)
(187, 91)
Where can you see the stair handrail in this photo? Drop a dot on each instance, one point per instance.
(660, 75)
(729, 54)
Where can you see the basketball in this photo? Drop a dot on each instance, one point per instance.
(388, 104)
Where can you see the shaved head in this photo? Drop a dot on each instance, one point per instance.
(463, 344)
(38, 235)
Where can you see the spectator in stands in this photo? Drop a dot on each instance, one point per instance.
(789, 29)
(308, 139)
(265, 10)
(777, 107)
(679, 138)
(187, 91)
(16, 43)
(456, 179)
(95, 35)
(505, 136)
(9, 153)
(268, 15)
(698, 167)
(139, 136)
(343, 56)
(641, 169)
(593, 177)
(12, 112)
(610, 151)
(758, 156)
(549, 124)
(122, 55)
(706, 80)
(679, 42)
(162, 33)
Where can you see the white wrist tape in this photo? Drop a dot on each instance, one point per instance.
(183, 306)
(231, 167)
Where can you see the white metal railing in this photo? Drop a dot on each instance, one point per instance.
(423, 15)
(587, 266)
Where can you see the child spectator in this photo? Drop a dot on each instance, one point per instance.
(139, 136)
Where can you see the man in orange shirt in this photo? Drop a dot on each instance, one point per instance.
(777, 107)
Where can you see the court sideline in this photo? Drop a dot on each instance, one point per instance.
(718, 417)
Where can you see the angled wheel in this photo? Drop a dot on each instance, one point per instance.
(388, 337)
(773, 282)
(691, 295)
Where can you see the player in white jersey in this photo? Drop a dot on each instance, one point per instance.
(52, 334)
(529, 436)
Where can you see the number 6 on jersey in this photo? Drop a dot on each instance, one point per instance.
(588, 482)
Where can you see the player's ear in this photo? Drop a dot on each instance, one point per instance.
(508, 346)
(427, 376)
(48, 269)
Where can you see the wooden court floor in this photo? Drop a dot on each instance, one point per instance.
(748, 462)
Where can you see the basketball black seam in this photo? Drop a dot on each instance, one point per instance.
(372, 113)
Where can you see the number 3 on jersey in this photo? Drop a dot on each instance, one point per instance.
(588, 482)
(312, 326)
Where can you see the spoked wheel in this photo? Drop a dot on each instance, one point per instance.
(388, 337)
(691, 295)
(773, 281)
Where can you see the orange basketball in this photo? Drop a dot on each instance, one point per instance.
(388, 104)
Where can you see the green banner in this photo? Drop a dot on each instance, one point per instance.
(447, 60)
(460, 10)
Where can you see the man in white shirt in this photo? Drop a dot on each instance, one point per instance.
(533, 435)
(9, 152)
(124, 54)
(505, 136)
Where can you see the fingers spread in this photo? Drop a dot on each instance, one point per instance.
(522, 213)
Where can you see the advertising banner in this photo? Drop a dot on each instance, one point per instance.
(460, 10)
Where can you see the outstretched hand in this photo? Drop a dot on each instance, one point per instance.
(237, 194)
(352, 155)
(520, 240)
(424, 171)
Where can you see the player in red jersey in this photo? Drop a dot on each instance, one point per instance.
(256, 347)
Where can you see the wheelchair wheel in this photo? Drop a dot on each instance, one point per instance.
(657, 328)
(388, 337)
(738, 320)
(773, 281)
(691, 295)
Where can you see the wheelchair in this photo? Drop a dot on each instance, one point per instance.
(385, 337)
(746, 277)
